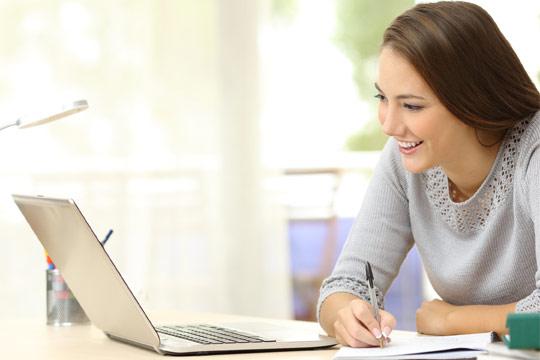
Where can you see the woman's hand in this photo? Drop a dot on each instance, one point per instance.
(433, 318)
(356, 326)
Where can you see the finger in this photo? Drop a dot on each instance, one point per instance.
(354, 328)
(388, 323)
(420, 320)
(358, 331)
(339, 339)
(363, 312)
(346, 338)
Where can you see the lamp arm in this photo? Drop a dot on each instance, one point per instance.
(16, 123)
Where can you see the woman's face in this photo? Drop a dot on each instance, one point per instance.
(427, 133)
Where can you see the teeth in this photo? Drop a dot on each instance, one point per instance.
(408, 144)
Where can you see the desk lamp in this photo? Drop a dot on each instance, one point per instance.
(67, 110)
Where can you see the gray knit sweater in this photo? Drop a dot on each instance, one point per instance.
(485, 250)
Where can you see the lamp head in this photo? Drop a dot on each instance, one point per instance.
(66, 110)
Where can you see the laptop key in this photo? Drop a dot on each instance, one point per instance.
(241, 337)
(187, 336)
(236, 333)
(207, 334)
(223, 337)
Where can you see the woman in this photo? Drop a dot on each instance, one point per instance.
(459, 178)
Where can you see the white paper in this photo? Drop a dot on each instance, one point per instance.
(408, 343)
(449, 355)
(502, 350)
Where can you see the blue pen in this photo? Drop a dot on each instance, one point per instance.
(106, 238)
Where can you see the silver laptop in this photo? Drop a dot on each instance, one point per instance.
(111, 306)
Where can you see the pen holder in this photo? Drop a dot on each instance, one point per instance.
(63, 309)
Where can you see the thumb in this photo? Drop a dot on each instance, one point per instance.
(388, 323)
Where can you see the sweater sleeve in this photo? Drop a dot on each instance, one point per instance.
(532, 190)
(381, 233)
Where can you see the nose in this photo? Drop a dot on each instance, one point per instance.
(390, 120)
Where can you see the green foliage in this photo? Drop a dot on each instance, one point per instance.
(359, 29)
(369, 138)
(284, 10)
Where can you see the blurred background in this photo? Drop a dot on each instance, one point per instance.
(228, 143)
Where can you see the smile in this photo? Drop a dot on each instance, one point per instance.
(408, 147)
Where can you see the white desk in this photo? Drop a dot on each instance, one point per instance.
(33, 339)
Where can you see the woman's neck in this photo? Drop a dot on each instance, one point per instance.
(468, 173)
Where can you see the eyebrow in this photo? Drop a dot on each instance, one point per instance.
(402, 96)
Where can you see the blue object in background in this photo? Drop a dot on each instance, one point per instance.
(307, 243)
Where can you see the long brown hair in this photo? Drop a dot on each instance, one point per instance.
(463, 56)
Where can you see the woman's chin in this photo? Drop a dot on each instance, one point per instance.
(414, 167)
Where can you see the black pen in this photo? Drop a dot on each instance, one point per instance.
(373, 299)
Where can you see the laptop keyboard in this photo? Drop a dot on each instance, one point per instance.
(208, 334)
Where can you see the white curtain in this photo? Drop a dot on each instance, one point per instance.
(167, 155)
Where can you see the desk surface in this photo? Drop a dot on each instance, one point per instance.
(33, 339)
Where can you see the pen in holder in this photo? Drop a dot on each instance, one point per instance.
(63, 309)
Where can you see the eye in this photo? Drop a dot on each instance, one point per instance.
(413, 107)
(380, 97)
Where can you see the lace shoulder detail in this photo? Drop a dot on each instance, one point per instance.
(473, 214)
(530, 304)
